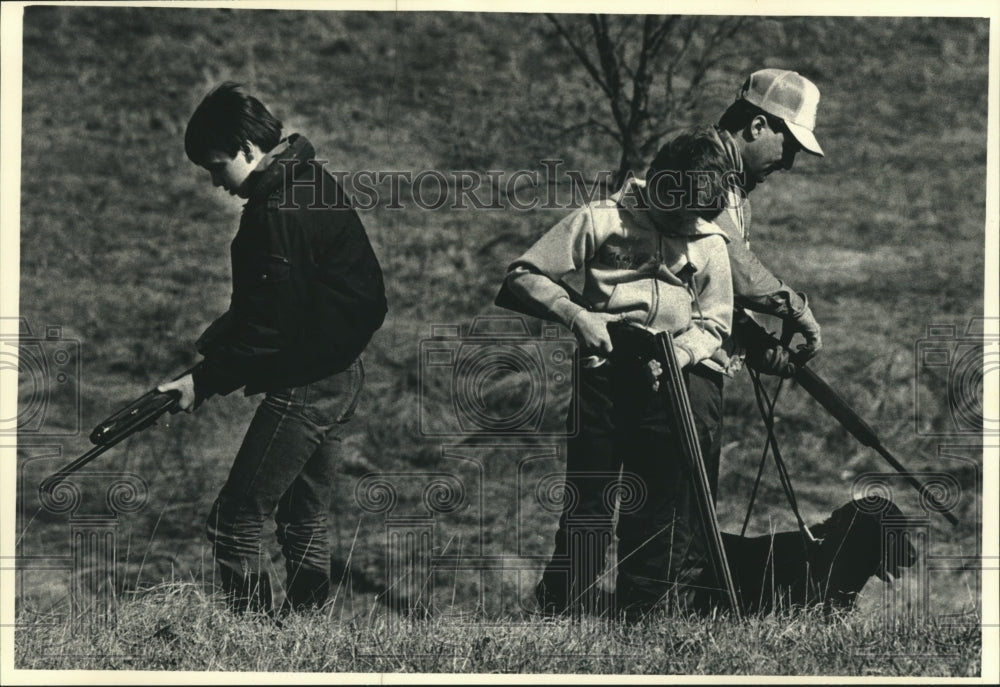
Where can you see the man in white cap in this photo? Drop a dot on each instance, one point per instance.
(770, 122)
(786, 103)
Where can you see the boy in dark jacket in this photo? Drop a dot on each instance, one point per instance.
(307, 296)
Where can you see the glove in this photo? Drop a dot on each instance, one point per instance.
(772, 360)
(805, 324)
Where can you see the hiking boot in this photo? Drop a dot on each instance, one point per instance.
(247, 594)
(306, 590)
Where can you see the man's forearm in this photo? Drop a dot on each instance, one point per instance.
(756, 288)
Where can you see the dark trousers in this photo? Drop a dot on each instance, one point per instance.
(285, 466)
(624, 426)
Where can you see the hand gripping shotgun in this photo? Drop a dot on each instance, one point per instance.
(813, 384)
(135, 417)
(635, 341)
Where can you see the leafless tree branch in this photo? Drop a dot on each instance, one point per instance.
(581, 54)
(698, 47)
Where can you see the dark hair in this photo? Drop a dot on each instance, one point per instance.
(691, 172)
(228, 120)
(741, 113)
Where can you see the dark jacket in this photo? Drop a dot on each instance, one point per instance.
(307, 288)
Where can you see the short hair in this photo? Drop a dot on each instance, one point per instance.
(742, 112)
(691, 172)
(228, 120)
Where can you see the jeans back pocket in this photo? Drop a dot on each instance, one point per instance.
(334, 399)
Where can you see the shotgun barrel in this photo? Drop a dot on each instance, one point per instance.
(842, 412)
(812, 383)
(135, 417)
(631, 338)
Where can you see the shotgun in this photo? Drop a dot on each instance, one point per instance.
(135, 417)
(835, 404)
(750, 330)
(642, 344)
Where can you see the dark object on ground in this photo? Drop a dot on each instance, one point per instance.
(305, 590)
(861, 539)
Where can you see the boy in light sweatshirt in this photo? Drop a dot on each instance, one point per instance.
(650, 254)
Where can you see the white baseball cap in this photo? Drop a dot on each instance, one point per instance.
(788, 95)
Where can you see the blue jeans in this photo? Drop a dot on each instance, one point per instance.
(286, 467)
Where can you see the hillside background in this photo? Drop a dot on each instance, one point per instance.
(124, 245)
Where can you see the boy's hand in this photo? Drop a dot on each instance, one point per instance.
(655, 370)
(186, 386)
(591, 330)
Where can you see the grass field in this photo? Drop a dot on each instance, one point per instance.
(124, 245)
(175, 627)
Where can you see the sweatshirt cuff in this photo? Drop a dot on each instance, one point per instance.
(686, 350)
(798, 304)
(566, 311)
